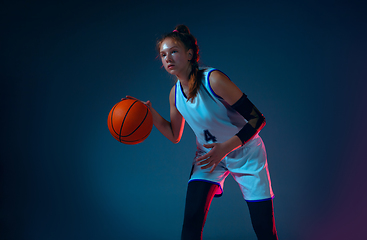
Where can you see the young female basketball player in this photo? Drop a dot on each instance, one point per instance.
(226, 125)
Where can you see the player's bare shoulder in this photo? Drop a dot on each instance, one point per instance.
(224, 87)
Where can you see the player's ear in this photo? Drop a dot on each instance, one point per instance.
(190, 54)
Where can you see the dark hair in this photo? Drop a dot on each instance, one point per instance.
(182, 33)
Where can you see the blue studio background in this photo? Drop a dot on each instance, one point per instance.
(64, 64)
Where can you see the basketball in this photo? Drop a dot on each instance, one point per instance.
(130, 121)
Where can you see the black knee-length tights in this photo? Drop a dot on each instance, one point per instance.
(198, 199)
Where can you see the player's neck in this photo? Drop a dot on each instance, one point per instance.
(184, 77)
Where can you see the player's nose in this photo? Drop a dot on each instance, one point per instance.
(168, 58)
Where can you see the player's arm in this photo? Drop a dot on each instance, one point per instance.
(173, 129)
(226, 89)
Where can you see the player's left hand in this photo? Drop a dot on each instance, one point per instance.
(213, 157)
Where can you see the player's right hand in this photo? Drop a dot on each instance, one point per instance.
(147, 103)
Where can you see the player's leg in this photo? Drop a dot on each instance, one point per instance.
(254, 180)
(198, 198)
(262, 218)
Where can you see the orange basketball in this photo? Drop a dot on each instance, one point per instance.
(130, 121)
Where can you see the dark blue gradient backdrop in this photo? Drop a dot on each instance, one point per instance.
(64, 64)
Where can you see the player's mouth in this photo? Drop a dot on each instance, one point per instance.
(170, 66)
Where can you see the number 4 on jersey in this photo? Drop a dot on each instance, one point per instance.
(209, 136)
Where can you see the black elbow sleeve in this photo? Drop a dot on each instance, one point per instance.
(244, 107)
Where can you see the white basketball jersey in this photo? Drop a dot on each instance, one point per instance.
(211, 118)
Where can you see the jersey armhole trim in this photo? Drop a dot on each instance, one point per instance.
(176, 95)
(208, 81)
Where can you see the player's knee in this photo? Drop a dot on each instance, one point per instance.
(194, 219)
(262, 218)
(264, 230)
(192, 227)
(191, 230)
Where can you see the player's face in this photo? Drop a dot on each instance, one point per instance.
(175, 58)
